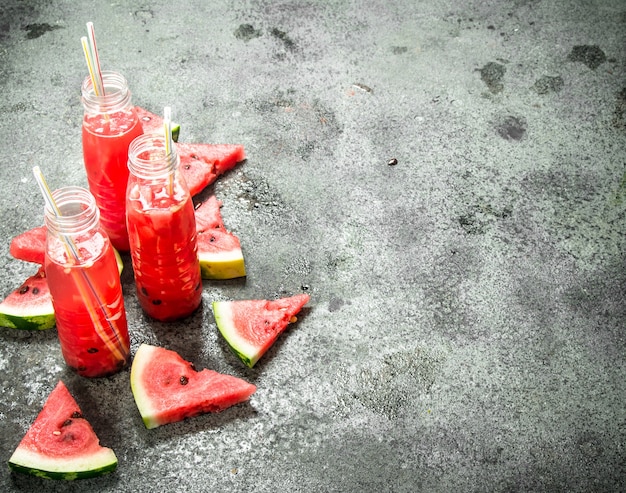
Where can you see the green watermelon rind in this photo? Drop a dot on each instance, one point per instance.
(21, 321)
(15, 316)
(68, 469)
(222, 265)
(248, 353)
(38, 315)
(141, 360)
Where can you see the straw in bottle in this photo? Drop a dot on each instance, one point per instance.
(85, 286)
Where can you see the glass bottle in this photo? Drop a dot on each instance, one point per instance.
(110, 124)
(84, 281)
(162, 231)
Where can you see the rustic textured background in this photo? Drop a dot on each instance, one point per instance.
(467, 324)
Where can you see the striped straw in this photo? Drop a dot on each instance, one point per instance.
(93, 60)
(119, 352)
(167, 127)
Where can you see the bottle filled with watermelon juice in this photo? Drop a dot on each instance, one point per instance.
(83, 278)
(162, 231)
(110, 124)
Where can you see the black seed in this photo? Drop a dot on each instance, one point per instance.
(24, 289)
(187, 166)
(67, 422)
(305, 287)
(392, 162)
(144, 291)
(184, 380)
(92, 350)
(156, 302)
(76, 415)
(35, 290)
(193, 156)
(212, 239)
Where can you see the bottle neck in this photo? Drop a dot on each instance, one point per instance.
(148, 159)
(78, 212)
(116, 94)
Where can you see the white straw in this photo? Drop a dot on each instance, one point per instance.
(167, 125)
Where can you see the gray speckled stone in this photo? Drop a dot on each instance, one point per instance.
(466, 328)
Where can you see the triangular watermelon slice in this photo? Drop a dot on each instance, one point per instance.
(29, 307)
(30, 245)
(168, 389)
(61, 444)
(219, 251)
(250, 327)
(201, 164)
(153, 123)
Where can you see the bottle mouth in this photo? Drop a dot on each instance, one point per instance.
(147, 156)
(116, 93)
(77, 208)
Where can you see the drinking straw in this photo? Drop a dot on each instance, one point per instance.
(94, 54)
(120, 353)
(167, 127)
(93, 60)
(167, 124)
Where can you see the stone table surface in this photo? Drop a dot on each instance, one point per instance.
(445, 178)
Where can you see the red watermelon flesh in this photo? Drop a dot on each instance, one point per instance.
(202, 164)
(153, 123)
(61, 444)
(168, 388)
(252, 326)
(30, 245)
(219, 251)
(208, 215)
(29, 307)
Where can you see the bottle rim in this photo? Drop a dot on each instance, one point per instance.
(78, 211)
(156, 162)
(117, 94)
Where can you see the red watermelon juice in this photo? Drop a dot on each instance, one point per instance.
(110, 124)
(83, 277)
(162, 232)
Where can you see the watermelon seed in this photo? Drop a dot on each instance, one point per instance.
(184, 380)
(392, 162)
(76, 415)
(212, 239)
(35, 290)
(56, 432)
(193, 156)
(67, 422)
(144, 291)
(156, 302)
(24, 289)
(92, 350)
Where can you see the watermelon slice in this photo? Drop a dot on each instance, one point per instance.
(201, 164)
(250, 327)
(30, 246)
(61, 444)
(219, 250)
(168, 389)
(153, 123)
(29, 307)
